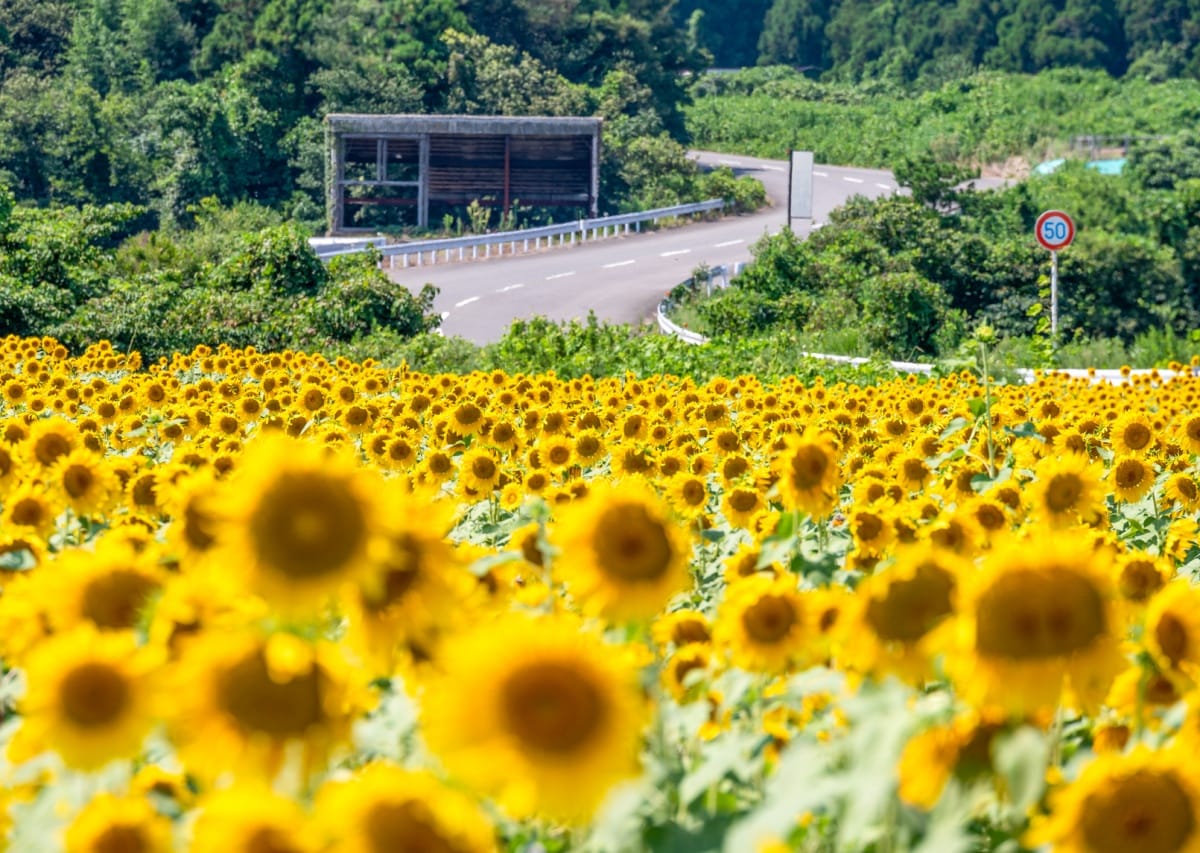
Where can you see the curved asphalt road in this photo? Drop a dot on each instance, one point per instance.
(623, 278)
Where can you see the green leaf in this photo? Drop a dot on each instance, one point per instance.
(1026, 430)
(728, 754)
(1021, 759)
(954, 428)
(1034, 310)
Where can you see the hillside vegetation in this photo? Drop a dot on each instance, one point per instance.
(938, 40)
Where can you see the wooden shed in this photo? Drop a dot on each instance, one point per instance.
(389, 171)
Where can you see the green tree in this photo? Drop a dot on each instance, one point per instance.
(34, 34)
(794, 34)
(489, 79)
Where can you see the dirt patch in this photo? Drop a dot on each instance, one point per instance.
(1014, 168)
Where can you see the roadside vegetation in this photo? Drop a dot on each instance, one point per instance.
(907, 276)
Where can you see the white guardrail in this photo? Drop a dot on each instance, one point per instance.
(530, 239)
(722, 275)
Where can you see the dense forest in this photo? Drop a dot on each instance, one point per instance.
(912, 40)
(164, 102)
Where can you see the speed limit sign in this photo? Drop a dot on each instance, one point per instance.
(1054, 230)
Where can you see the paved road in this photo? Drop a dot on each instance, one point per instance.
(623, 278)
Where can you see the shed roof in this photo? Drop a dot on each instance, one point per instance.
(463, 125)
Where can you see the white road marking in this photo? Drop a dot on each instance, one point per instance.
(727, 243)
(559, 275)
(466, 302)
(510, 287)
(816, 225)
(619, 264)
(773, 168)
(852, 180)
(730, 162)
(445, 314)
(884, 186)
(676, 252)
(821, 174)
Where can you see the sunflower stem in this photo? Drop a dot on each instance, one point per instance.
(987, 410)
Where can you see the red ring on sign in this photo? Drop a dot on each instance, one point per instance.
(1054, 242)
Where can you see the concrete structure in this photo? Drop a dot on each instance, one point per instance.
(390, 171)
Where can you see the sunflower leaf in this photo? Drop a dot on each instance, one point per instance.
(1021, 759)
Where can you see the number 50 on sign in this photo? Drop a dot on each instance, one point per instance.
(1054, 230)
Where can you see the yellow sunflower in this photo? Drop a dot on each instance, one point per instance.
(681, 627)
(809, 477)
(892, 628)
(961, 748)
(1148, 801)
(480, 470)
(688, 495)
(50, 439)
(1172, 630)
(1066, 490)
(109, 824)
(621, 554)
(741, 503)
(1036, 619)
(92, 698)
(384, 808)
(246, 702)
(248, 817)
(538, 713)
(300, 522)
(110, 588)
(85, 482)
(30, 509)
(1132, 434)
(678, 672)
(764, 625)
(1132, 477)
(419, 590)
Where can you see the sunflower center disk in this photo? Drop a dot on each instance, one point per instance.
(1172, 638)
(94, 695)
(285, 709)
(404, 826)
(307, 526)
(113, 601)
(911, 607)
(769, 619)
(121, 839)
(1146, 811)
(631, 545)
(551, 707)
(808, 468)
(1063, 492)
(1029, 615)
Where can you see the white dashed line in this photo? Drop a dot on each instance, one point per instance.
(773, 168)
(730, 162)
(727, 243)
(445, 314)
(821, 174)
(466, 302)
(510, 287)
(884, 186)
(559, 275)
(852, 180)
(619, 264)
(676, 252)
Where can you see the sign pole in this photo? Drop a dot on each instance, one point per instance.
(1054, 293)
(1055, 230)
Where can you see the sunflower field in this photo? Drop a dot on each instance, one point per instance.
(271, 603)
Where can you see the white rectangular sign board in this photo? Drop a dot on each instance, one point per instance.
(800, 186)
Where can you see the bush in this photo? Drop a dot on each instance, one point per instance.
(904, 314)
